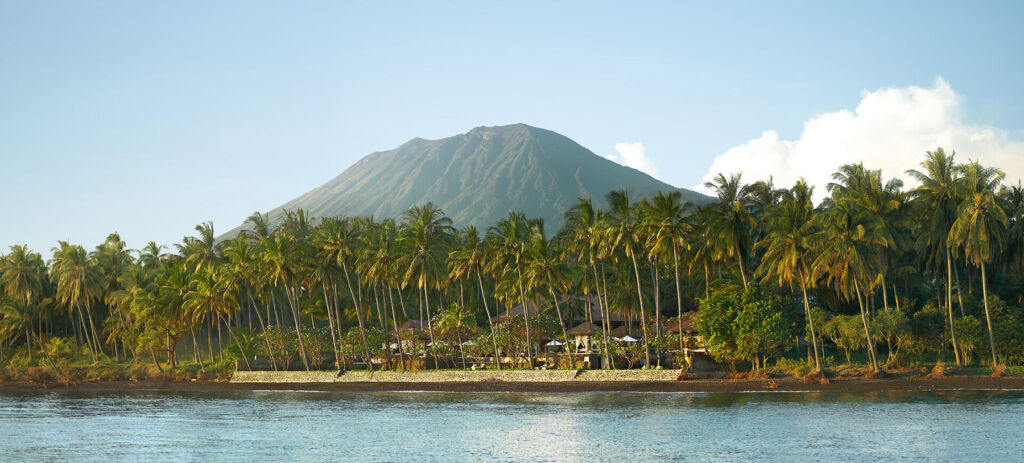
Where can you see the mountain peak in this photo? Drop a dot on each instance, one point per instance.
(477, 177)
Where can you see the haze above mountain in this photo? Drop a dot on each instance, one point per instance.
(477, 177)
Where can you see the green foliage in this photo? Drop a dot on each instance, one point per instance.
(891, 327)
(927, 329)
(739, 324)
(847, 332)
(970, 335)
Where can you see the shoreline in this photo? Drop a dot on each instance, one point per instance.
(790, 384)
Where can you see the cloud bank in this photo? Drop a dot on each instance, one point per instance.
(633, 155)
(890, 129)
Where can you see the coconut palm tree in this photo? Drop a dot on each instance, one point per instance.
(426, 234)
(545, 268)
(936, 201)
(666, 225)
(583, 235)
(283, 261)
(508, 240)
(379, 264)
(22, 273)
(788, 248)
(979, 226)
(732, 221)
(470, 256)
(844, 256)
(623, 222)
(77, 284)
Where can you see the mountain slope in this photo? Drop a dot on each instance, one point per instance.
(477, 177)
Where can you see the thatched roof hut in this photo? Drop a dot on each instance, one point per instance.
(684, 323)
(584, 329)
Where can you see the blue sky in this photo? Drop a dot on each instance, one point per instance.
(147, 119)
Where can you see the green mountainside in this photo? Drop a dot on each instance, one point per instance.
(477, 177)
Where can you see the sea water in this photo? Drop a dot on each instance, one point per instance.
(276, 426)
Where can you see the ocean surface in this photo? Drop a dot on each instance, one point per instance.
(277, 426)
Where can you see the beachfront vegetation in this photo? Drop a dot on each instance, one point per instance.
(875, 274)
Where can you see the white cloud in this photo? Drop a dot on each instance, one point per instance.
(633, 155)
(890, 129)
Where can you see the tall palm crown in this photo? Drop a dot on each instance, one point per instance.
(980, 221)
(732, 222)
(22, 273)
(666, 224)
(426, 234)
(936, 201)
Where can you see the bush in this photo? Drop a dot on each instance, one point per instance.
(793, 367)
(744, 324)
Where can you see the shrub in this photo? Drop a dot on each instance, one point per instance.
(743, 324)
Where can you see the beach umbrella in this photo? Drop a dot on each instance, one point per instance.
(628, 338)
(554, 342)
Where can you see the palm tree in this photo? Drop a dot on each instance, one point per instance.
(77, 283)
(508, 239)
(19, 317)
(623, 222)
(936, 200)
(584, 237)
(283, 260)
(979, 226)
(22, 273)
(666, 226)
(470, 256)
(378, 264)
(426, 234)
(844, 256)
(544, 267)
(704, 249)
(787, 248)
(732, 220)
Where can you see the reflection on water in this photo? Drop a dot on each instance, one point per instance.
(279, 426)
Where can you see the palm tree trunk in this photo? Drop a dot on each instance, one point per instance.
(359, 314)
(949, 304)
(810, 321)
(604, 318)
(244, 357)
(988, 318)
(289, 294)
(270, 350)
(398, 335)
(885, 292)
(607, 313)
(376, 304)
(85, 332)
(707, 281)
(657, 307)
(330, 325)
(526, 316)
(92, 326)
(643, 317)
(195, 348)
(959, 294)
(739, 258)
(679, 293)
(490, 323)
(558, 310)
(867, 330)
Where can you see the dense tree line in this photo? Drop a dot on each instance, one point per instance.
(930, 270)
